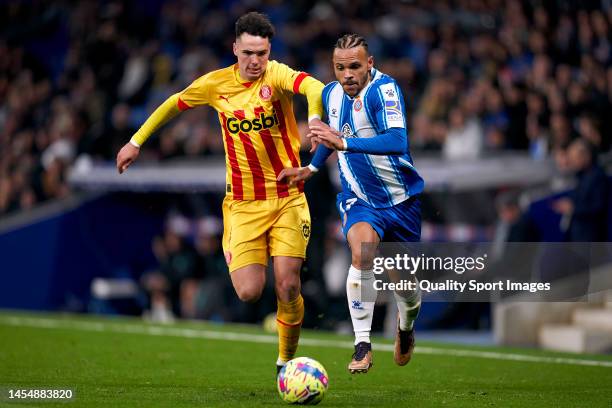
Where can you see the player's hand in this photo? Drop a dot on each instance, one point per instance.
(314, 141)
(126, 156)
(329, 137)
(294, 175)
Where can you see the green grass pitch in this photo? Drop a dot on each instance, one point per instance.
(128, 363)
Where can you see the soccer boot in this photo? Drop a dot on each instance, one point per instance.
(404, 346)
(362, 358)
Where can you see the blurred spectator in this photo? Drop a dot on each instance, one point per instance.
(516, 106)
(589, 130)
(561, 133)
(103, 142)
(207, 296)
(586, 208)
(495, 121)
(177, 263)
(563, 178)
(464, 139)
(513, 225)
(538, 139)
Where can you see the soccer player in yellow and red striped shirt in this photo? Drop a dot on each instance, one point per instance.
(262, 217)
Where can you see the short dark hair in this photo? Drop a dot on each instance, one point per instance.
(351, 41)
(255, 23)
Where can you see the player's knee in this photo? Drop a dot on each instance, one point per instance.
(249, 293)
(363, 243)
(361, 259)
(288, 288)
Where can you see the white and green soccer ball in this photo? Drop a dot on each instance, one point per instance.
(302, 381)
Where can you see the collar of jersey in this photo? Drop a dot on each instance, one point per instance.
(247, 84)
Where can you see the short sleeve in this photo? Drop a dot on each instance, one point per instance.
(325, 98)
(196, 94)
(388, 107)
(287, 78)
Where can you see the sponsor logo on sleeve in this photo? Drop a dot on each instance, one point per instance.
(390, 93)
(393, 110)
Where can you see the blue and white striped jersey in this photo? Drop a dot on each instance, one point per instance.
(378, 177)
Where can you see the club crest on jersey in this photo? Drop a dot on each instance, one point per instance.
(357, 105)
(305, 227)
(347, 131)
(265, 93)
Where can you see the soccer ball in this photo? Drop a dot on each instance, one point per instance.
(269, 323)
(302, 381)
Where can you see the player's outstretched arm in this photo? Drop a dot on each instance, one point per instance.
(392, 141)
(327, 136)
(313, 88)
(296, 174)
(129, 152)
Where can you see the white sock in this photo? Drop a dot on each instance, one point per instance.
(361, 296)
(408, 305)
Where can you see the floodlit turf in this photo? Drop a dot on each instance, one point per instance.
(127, 363)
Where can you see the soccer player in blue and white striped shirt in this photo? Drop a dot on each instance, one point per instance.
(380, 185)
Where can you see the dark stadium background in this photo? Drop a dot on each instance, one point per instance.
(496, 92)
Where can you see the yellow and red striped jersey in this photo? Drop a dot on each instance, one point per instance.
(260, 133)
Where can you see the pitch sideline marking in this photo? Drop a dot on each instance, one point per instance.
(127, 328)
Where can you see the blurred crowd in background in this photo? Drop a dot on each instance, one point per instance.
(480, 77)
